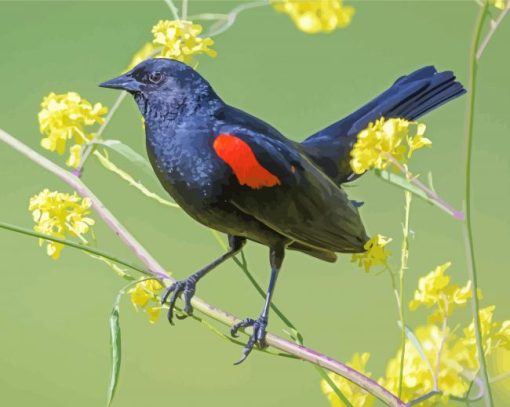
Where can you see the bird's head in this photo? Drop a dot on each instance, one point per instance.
(164, 86)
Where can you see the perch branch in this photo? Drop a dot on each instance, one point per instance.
(213, 312)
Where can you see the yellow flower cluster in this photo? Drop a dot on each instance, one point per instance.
(315, 16)
(420, 369)
(176, 39)
(60, 214)
(375, 254)
(64, 117)
(437, 358)
(144, 295)
(357, 396)
(386, 139)
(435, 290)
(180, 40)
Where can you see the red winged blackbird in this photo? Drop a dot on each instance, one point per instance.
(239, 175)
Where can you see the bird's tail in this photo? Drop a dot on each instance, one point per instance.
(409, 98)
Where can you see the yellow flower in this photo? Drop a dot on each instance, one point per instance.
(435, 290)
(501, 4)
(180, 40)
(418, 376)
(60, 214)
(357, 396)
(144, 293)
(315, 16)
(148, 50)
(418, 141)
(139, 297)
(153, 313)
(385, 140)
(489, 330)
(503, 335)
(74, 156)
(64, 117)
(375, 253)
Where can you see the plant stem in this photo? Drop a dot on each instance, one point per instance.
(403, 267)
(184, 9)
(302, 352)
(173, 9)
(432, 195)
(110, 166)
(494, 26)
(91, 146)
(232, 16)
(333, 386)
(87, 249)
(467, 226)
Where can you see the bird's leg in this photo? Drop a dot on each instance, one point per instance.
(187, 286)
(259, 325)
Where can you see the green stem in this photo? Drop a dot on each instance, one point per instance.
(468, 228)
(173, 9)
(403, 267)
(72, 244)
(91, 146)
(333, 386)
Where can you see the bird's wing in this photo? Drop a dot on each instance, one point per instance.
(281, 188)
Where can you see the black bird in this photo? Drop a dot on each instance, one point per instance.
(239, 175)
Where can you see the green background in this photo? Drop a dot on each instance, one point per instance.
(54, 339)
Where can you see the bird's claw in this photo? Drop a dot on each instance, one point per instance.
(256, 338)
(185, 287)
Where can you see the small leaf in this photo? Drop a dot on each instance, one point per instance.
(402, 183)
(115, 344)
(431, 181)
(128, 153)
(417, 345)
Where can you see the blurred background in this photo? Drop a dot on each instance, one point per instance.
(54, 340)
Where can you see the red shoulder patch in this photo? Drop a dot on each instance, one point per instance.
(240, 157)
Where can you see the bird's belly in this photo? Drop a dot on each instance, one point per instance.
(212, 209)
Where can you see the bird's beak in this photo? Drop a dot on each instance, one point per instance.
(123, 82)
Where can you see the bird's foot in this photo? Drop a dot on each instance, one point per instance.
(258, 337)
(187, 289)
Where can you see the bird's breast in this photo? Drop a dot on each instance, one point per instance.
(188, 170)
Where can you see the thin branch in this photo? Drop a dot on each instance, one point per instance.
(232, 16)
(467, 226)
(184, 9)
(423, 398)
(429, 192)
(105, 162)
(87, 249)
(200, 305)
(173, 9)
(442, 343)
(404, 257)
(494, 26)
(91, 146)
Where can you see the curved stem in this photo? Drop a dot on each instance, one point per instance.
(432, 195)
(467, 226)
(173, 9)
(232, 16)
(91, 146)
(403, 267)
(155, 268)
(494, 26)
(87, 249)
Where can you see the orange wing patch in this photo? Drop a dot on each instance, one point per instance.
(240, 157)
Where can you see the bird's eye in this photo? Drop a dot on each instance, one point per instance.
(155, 77)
